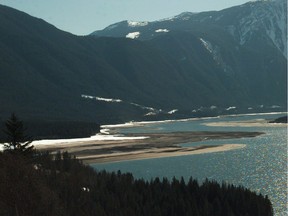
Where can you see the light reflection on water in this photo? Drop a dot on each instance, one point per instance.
(261, 166)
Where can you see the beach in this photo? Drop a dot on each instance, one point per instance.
(107, 148)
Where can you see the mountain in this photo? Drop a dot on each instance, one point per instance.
(245, 23)
(248, 44)
(189, 65)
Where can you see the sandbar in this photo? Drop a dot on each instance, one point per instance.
(145, 146)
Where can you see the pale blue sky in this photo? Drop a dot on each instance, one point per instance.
(82, 17)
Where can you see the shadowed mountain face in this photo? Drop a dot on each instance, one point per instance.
(244, 23)
(189, 62)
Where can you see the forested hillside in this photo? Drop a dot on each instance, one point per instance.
(48, 74)
(62, 185)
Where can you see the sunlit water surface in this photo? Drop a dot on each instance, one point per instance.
(261, 166)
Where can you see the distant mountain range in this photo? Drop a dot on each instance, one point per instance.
(245, 23)
(193, 64)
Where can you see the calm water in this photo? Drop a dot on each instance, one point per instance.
(261, 166)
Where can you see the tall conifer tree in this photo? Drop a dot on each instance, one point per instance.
(16, 140)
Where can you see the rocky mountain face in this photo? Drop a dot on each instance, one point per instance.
(209, 63)
(245, 23)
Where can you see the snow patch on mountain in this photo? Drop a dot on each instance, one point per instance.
(173, 111)
(214, 50)
(207, 45)
(133, 35)
(143, 107)
(110, 100)
(162, 30)
(137, 24)
(231, 108)
(150, 114)
(216, 54)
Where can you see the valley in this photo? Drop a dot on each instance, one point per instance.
(197, 65)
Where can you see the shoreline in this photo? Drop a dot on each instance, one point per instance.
(253, 123)
(145, 146)
(141, 123)
(167, 152)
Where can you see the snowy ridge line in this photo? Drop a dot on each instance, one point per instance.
(137, 23)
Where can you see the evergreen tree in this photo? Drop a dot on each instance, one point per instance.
(16, 140)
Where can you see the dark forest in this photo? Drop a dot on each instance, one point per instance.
(61, 185)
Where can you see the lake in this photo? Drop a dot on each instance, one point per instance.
(261, 166)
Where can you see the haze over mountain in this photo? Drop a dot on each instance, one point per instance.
(212, 61)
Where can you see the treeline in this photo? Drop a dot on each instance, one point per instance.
(282, 119)
(61, 185)
(57, 129)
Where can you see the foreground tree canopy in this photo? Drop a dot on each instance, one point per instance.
(62, 185)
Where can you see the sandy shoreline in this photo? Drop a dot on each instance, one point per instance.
(144, 146)
(159, 153)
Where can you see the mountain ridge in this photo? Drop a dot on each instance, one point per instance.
(45, 72)
(259, 13)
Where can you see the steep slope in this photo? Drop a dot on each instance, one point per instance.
(245, 22)
(234, 75)
(46, 73)
(247, 45)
